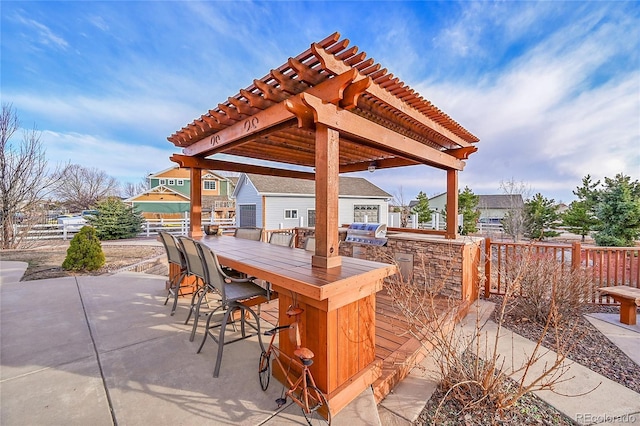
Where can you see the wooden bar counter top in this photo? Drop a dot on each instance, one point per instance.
(338, 322)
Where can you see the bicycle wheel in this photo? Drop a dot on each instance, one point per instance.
(264, 370)
(318, 408)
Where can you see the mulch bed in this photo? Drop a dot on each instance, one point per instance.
(592, 349)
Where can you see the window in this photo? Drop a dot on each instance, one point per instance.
(209, 184)
(311, 217)
(370, 211)
(171, 182)
(291, 214)
(163, 181)
(180, 182)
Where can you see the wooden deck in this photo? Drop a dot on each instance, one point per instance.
(397, 349)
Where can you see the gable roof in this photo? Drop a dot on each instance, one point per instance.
(159, 174)
(349, 186)
(160, 189)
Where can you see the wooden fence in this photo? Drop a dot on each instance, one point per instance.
(606, 266)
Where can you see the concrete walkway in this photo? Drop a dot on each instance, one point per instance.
(605, 401)
(103, 350)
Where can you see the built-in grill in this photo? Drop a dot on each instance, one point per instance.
(367, 233)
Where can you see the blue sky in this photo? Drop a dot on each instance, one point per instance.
(552, 89)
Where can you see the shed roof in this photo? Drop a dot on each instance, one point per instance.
(381, 120)
(349, 186)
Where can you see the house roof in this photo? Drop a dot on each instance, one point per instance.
(501, 201)
(349, 186)
(162, 172)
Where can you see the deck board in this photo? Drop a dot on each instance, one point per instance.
(396, 348)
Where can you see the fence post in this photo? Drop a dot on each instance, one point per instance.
(64, 231)
(576, 255)
(146, 225)
(487, 267)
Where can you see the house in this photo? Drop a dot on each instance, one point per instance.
(272, 202)
(492, 207)
(168, 195)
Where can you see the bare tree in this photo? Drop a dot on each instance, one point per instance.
(401, 205)
(130, 189)
(513, 221)
(81, 187)
(24, 175)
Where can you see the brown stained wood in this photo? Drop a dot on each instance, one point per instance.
(195, 213)
(338, 47)
(211, 122)
(347, 53)
(221, 118)
(289, 84)
(269, 92)
(355, 59)
(210, 164)
(381, 137)
(231, 112)
(243, 107)
(306, 73)
(256, 100)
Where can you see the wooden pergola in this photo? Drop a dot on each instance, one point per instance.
(332, 109)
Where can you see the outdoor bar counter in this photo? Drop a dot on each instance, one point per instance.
(338, 322)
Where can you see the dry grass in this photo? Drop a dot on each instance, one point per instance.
(46, 261)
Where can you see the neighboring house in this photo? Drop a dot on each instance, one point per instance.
(170, 190)
(271, 202)
(492, 207)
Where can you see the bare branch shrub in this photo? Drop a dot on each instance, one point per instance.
(471, 369)
(546, 283)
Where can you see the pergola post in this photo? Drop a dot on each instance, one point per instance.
(195, 214)
(327, 190)
(452, 204)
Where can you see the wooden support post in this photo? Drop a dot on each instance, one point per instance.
(487, 267)
(195, 213)
(327, 190)
(452, 204)
(576, 256)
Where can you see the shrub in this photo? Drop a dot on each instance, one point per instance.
(542, 284)
(84, 252)
(116, 220)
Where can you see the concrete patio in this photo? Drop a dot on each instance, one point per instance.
(103, 350)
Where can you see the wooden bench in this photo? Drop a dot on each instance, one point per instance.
(629, 299)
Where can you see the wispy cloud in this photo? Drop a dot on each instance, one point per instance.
(113, 156)
(41, 33)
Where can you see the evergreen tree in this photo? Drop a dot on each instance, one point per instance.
(468, 207)
(116, 220)
(84, 252)
(422, 208)
(618, 211)
(580, 218)
(540, 217)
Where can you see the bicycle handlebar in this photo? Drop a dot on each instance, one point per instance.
(275, 330)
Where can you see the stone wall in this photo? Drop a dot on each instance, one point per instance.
(449, 265)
